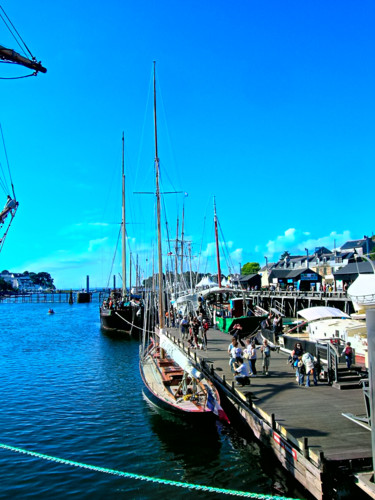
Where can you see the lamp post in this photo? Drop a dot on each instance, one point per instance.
(307, 259)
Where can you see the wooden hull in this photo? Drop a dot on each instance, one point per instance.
(159, 393)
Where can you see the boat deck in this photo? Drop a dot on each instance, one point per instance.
(166, 389)
(314, 413)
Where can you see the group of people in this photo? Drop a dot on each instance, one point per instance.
(194, 330)
(304, 364)
(242, 360)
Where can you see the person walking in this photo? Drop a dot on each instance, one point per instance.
(266, 352)
(253, 359)
(234, 352)
(205, 327)
(348, 353)
(309, 369)
(297, 354)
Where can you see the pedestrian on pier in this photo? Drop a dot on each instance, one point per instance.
(235, 352)
(236, 332)
(266, 352)
(297, 354)
(184, 327)
(252, 358)
(205, 327)
(242, 373)
(309, 369)
(348, 353)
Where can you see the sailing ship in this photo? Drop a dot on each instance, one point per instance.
(171, 381)
(120, 312)
(221, 303)
(11, 57)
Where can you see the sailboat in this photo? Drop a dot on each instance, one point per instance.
(120, 312)
(171, 381)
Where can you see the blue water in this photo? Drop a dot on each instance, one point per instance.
(70, 391)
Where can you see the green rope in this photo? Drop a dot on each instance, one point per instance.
(179, 484)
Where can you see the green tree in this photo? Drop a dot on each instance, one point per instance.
(5, 286)
(285, 255)
(43, 279)
(250, 268)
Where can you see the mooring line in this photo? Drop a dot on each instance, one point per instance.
(130, 475)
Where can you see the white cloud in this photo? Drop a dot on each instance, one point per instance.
(93, 244)
(295, 241)
(281, 242)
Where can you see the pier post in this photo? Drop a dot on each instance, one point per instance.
(305, 447)
(273, 421)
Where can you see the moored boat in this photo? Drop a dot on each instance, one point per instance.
(171, 381)
(174, 384)
(120, 313)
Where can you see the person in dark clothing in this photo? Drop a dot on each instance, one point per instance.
(236, 332)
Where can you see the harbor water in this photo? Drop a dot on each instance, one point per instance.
(71, 391)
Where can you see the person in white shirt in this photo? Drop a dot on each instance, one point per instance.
(235, 352)
(242, 371)
(308, 362)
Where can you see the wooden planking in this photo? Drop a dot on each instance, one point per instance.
(315, 412)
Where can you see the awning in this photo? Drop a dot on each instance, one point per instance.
(321, 312)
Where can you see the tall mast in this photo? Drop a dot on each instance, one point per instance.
(123, 223)
(130, 274)
(182, 244)
(217, 247)
(161, 305)
(176, 261)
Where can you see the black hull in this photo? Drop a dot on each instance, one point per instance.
(121, 320)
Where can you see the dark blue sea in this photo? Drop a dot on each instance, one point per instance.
(68, 390)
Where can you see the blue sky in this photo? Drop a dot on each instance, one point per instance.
(268, 106)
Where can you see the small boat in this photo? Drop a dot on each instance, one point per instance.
(51, 311)
(174, 384)
(171, 381)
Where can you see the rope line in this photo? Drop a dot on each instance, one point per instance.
(7, 160)
(17, 77)
(140, 477)
(19, 36)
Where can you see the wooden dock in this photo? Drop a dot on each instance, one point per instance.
(304, 426)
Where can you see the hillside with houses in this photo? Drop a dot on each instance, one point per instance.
(26, 282)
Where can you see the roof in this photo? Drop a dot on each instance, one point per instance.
(247, 277)
(279, 273)
(321, 312)
(357, 244)
(353, 268)
(289, 273)
(297, 272)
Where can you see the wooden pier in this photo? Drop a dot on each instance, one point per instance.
(291, 301)
(47, 298)
(303, 426)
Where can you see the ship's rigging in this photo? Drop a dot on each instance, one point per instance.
(10, 56)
